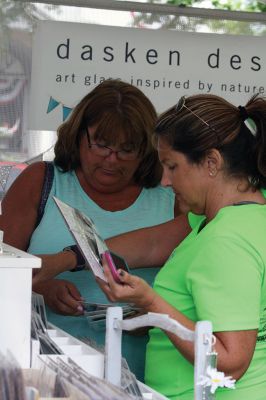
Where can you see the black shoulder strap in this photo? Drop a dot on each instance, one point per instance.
(47, 185)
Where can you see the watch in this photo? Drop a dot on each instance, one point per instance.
(81, 262)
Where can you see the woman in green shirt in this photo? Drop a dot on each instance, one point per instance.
(214, 157)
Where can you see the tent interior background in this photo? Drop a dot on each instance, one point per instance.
(19, 144)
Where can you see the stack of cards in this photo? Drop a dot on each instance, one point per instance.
(39, 326)
(96, 313)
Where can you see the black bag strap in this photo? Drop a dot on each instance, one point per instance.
(46, 189)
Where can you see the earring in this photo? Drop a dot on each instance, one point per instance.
(212, 173)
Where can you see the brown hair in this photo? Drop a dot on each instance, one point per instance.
(209, 121)
(120, 110)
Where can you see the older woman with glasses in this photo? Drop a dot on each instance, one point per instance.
(214, 157)
(106, 166)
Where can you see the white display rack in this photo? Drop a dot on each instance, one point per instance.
(15, 312)
(15, 333)
(88, 358)
(15, 305)
(202, 338)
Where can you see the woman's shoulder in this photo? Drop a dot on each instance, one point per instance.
(245, 224)
(33, 175)
(27, 187)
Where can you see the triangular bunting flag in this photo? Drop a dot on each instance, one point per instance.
(52, 104)
(66, 112)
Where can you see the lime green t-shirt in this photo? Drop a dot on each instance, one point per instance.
(217, 274)
(194, 219)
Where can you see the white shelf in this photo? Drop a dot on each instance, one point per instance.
(91, 360)
(14, 258)
(88, 358)
(15, 312)
(15, 306)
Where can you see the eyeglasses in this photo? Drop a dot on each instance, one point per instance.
(105, 151)
(180, 105)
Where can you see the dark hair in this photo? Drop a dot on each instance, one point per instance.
(209, 121)
(119, 109)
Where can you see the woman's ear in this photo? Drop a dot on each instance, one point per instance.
(214, 162)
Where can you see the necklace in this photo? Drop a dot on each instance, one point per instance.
(241, 203)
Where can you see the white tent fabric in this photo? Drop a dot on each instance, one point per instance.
(18, 18)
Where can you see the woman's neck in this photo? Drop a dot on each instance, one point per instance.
(229, 194)
(111, 199)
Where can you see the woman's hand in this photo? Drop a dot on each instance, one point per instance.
(61, 296)
(132, 289)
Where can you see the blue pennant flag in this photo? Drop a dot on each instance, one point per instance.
(52, 104)
(66, 112)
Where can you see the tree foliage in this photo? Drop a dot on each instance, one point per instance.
(16, 14)
(196, 24)
(240, 5)
(232, 5)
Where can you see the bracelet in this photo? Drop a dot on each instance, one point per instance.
(81, 262)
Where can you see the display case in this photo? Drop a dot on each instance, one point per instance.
(15, 305)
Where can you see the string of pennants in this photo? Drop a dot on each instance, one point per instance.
(53, 104)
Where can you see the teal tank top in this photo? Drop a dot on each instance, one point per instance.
(153, 206)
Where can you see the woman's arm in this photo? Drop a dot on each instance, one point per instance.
(235, 349)
(20, 206)
(18, 221)
(150, 247)
(53, 265)
(19, 215)
(159, 239)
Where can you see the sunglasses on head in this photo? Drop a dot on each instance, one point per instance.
(179, 106)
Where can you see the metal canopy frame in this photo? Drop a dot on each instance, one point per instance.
(160, 9)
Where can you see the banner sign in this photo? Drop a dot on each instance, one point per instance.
(70, 59)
